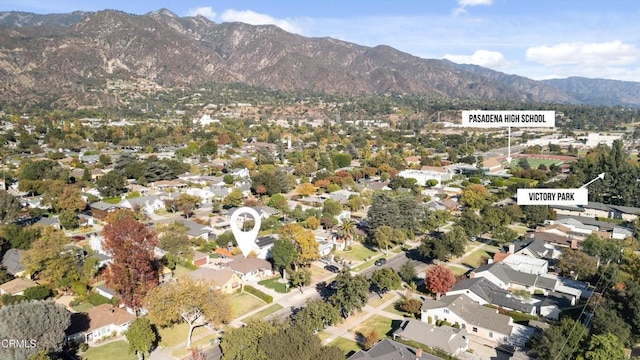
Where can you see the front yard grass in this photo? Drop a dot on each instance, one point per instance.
(377, 301)
(264, 313)
(113, 350)
(347, 346)
(318, 273)
(200, 343)
(367, 264)
(457, 270)
(476, 258)
(275, 284)
(358, 252)
(391, 308)
(243, 303)
(378, 323)
(181, 271)
(83, 307)
(176, 334)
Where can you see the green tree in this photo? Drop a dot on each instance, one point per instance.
(383, 237)
(536, 214)
(68, 219)
(560, 341)
(194, 303)
(352, 293)
(243, 343)
(385, 279)
(187, 203)
(347, 230)
(331, 207)
(209, 148)
(9, 207)
(605, 347)
(300, 278)
(233, 199)
(283, 253)
(475, 196)
(111, 184)
(434, 219)
(42, 323)
(408, 272)
(174, 239)
(503, 234)
(606, 250)
(317, 315)
(577, 264)
(606, 320)
(141, 336)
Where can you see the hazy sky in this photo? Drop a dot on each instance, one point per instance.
(539, 39)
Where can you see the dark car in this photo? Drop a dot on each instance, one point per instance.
(380, 262)
(332, 268)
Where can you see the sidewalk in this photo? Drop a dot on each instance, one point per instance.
(165, 353)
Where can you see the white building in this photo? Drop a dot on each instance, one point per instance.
(422, 176)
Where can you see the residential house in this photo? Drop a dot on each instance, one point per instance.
(224, 279)
(554, 239)
(535, 248)
(195, 230)
(100, 209)
(507, 278)
(50, 221)
(16, 286)
(264, 245)
(448, 339)
(422, 177)
(250, 269)
(105, 291)
(412, 160)
(149, 204)
(551, 306)
(97, 323)
(599, 210)
(11, 262)
(485, 292)
(492, 165)
(478, 320)
(199, 258)
(390, 350)
(527, 264)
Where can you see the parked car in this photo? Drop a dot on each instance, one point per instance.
(332, 268)
(380, 262)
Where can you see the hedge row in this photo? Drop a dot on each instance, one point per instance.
(259, 294)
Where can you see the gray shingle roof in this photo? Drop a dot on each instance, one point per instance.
(492, 294)
(11, 261)
(446, 338)
(472, 312)
(508, 275)
(390, 350)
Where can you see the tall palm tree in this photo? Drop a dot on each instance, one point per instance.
(347, 231)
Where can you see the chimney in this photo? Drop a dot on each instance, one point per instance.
(418, 353)
(512, 248)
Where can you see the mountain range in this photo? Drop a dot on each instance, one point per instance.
(67, 59)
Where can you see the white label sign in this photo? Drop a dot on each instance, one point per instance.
(553, 196)
(508, 118)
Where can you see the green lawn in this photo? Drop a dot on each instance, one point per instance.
(346, 345)
(476, 258)
(176, 334)
(264, 313)
(243, 303)
(377, 301)
(521, 230)
(83, 307)
(318, 273)
(392, 309)
(275, 284)
(379, 323)
(536, 162)
(181, 271)
(200, 343)
(367, 264)
(113, 350)
(358, 252)
(457, 271)
(323, 335)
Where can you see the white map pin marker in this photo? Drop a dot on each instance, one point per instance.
(246, 239)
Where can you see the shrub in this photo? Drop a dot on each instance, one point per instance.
(259, 294)
(80, 288)
(411, 306)
(8, 299)
(429, 320)
(37, 293)
(369, 339)
(83, 347)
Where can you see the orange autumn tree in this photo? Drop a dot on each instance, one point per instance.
(134, 269)
(439, 279)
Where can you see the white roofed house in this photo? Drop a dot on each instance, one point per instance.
(476, 319)
(148, 204)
